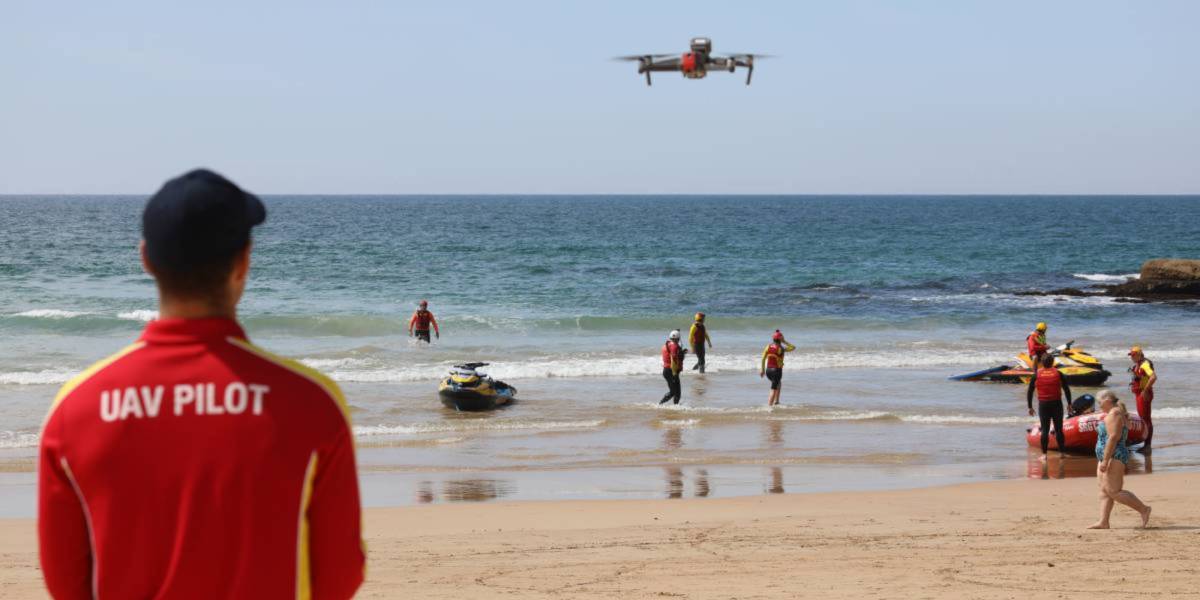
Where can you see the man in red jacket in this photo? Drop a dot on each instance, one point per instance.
(193, 464)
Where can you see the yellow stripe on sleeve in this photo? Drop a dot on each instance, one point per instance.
(88, 373)
(300, 369)
(303, 566)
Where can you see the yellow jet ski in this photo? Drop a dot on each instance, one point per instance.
(468, 389)
(1086, 370)
(1078, 356)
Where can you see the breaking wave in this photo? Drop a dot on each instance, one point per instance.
(473, 425)
(1105, 278)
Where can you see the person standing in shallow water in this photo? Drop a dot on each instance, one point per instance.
(1112, 456)
(697, 337)
(1142, 386)
(1050, 385)
(672, 361)
(771, 366)
(421, 321)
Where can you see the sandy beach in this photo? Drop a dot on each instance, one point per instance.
(1004, 539)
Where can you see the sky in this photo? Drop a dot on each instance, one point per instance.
(522, 97)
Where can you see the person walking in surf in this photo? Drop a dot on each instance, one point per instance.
(672, 361)
(697, 337)
(771, 366)
(419, 324)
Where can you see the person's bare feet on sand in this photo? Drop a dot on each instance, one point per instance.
(1146, 516)
(1098, 526)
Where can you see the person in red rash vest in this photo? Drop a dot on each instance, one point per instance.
(1142, 386)
(1036, 344)
(193, 464)
(420, 322)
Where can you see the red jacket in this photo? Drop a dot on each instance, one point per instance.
(1049, 385)
(1036, 344)
(193, 464)
(671, 357)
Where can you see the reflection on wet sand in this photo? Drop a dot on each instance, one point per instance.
(702, 483)
(672, 441)
(775, 434)
(674, 482)
(774, 439)
(776, 481)
(464, 490)
(1071, 465)
(673, 438)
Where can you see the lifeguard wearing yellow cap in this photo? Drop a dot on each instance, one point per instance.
(1041, 326)
(1135, 350)
(699, 316)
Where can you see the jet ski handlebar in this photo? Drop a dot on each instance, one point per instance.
(471, 366)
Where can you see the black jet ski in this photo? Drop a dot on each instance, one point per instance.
(468, 389)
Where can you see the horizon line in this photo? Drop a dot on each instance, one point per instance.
(644, 194)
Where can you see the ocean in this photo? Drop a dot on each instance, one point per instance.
(570, 299)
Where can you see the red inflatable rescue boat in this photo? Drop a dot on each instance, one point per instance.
(1080, 433)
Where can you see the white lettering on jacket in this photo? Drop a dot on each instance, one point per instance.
(201, 399)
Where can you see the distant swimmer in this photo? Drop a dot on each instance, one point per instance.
(1112, 457)
(697, 337)
(771, 366)
(1036, 343)
(1050, 386)
(420, 322)
(194, 464)
(672, 361)
(1142, 386)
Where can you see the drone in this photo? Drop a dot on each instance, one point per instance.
(695, 64)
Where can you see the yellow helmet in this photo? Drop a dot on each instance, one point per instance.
(1041, 326)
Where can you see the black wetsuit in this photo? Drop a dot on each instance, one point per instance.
(422, 334)
(1049, 412)
(673, 389)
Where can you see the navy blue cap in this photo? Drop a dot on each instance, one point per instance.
(198, 218)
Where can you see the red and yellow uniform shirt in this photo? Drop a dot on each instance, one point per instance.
(1049, 385)
(672, 358)
(1036, 343)
(1141, 377)
(772, 356)
(194, 465)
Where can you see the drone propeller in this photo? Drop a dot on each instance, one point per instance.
(644, 57)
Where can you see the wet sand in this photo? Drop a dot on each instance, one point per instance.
(1002, 539)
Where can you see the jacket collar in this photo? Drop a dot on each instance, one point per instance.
(182, 331)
